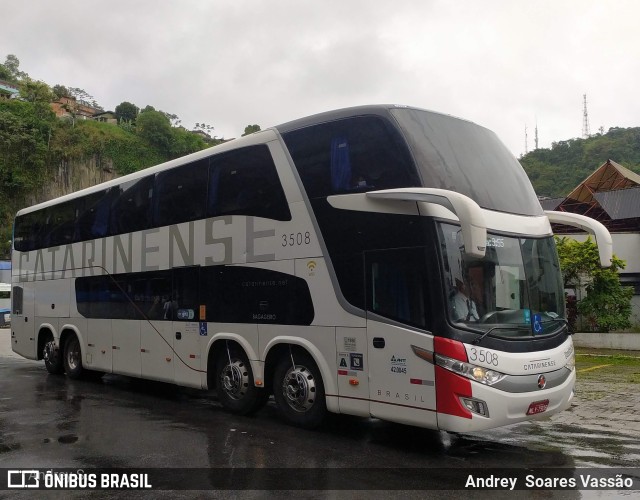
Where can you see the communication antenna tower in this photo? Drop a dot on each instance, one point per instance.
(585, 120)
(525, 140)
(536, 136)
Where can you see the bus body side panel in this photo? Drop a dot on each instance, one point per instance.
(23, 340)
(126, 347)
(353, 371)
(402, 385)
(52, 298)
(156, 351)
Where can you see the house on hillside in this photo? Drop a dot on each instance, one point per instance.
(8, 90)
(70, 107)
(611, 195)
(105, 117)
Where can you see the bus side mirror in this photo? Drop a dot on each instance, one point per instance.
(592, 226)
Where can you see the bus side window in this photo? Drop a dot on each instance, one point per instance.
(184, 303)
(60, 225)
(351, 155)
(180, 194)
(93, 215)
(396, 285)
(131, 209)
(245, 182)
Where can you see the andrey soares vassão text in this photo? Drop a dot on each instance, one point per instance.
(616, 481)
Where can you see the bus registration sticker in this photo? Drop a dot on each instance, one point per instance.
(538, 407)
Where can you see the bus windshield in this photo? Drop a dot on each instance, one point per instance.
(516, 290)
(464, 157)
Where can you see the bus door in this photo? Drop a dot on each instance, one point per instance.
(185, 311)
(22, 320)
(402, 385)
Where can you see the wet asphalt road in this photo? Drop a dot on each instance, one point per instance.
(50, 421)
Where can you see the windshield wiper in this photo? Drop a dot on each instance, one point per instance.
(499, 327)
(512, 327)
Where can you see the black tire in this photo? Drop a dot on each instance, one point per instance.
(73, 358)
(52, 358)
(299, 391)
(235, 385)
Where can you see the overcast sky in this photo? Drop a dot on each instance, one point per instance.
(229, 63)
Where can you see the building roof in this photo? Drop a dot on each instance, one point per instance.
(611, 195)
(9, 88)
(620, 204)
(610, 176)
(551, 203)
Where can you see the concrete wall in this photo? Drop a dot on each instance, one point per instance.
(625, 341)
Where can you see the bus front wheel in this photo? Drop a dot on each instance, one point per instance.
(234, 383)
(73, 358)
(299, 391)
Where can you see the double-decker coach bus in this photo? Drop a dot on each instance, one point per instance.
(326, 261)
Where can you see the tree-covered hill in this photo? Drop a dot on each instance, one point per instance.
(555, 172)
(34, 143)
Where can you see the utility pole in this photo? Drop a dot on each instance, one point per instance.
(585, 120)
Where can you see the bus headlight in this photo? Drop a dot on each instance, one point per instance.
(473, 372)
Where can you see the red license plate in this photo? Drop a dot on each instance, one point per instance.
(538, 407)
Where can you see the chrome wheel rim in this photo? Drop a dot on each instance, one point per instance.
(299, 389)
(234, 379)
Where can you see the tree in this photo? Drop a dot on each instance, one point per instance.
(83, 97)
(250, 129)
(203, 127)
(173, 119)
(36, 91)
(607, 305)
(61, 91)
(154, 127)
(11, 69)
(126, 111)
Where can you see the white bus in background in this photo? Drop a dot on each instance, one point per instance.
(5, 305)
(317, 261)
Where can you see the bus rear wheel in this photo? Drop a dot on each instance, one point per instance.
(234, 383)
(73, 358)
(299, 391)
(52, 358)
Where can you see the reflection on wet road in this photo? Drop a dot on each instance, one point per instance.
(51, 421)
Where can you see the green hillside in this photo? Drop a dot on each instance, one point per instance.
(555, 172)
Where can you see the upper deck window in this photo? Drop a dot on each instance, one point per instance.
(358, 154)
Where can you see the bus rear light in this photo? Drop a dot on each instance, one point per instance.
(476, 406)
(472, 372)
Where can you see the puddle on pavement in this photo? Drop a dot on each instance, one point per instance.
(68, 439)
(588, 448)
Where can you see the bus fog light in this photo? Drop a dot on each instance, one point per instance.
(476, 406)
